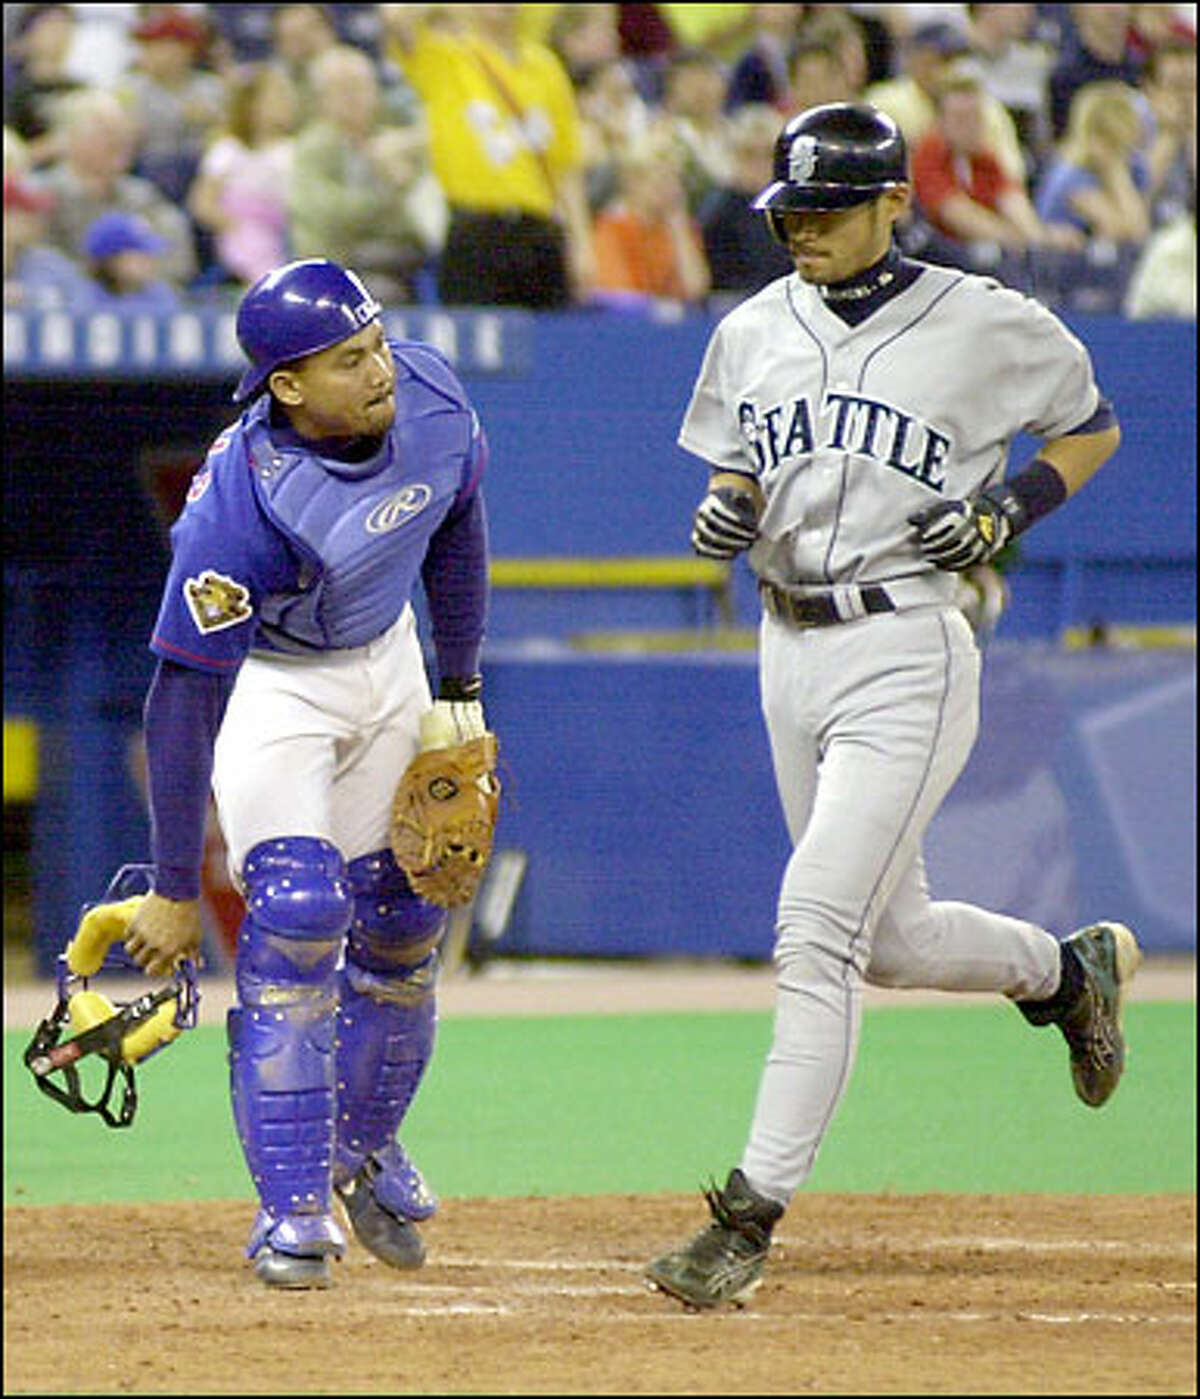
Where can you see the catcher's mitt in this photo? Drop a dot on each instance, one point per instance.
(444, 819)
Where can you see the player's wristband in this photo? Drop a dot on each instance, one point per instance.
(461, 687)
(1032, 493)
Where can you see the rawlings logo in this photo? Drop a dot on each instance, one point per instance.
(802, 160)
(391, 513)
(216, 602)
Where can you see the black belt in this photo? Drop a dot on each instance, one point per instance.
(821, 609)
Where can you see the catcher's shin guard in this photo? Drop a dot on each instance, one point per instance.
(386, 1010)
(281, 1041)
(386, 1025)
(383, 1048)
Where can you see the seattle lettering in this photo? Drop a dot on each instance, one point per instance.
(847, 422)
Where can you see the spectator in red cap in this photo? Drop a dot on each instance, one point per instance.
(176, 102)
(36, 275)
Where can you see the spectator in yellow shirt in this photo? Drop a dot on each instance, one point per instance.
(505, 145)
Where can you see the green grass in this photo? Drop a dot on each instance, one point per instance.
(967, 1099)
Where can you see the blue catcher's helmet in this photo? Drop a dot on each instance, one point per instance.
(833, 157)
(296, 310)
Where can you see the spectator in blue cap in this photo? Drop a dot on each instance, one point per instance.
(122, 252)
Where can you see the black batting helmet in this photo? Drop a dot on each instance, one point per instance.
(833, 157)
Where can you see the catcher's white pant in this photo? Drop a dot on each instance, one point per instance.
(315, 745)
(870, 723)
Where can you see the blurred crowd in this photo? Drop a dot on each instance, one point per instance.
(550, 156)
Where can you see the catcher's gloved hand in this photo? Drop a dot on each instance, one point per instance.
(444, 811)
(725, 523)
(957, 534)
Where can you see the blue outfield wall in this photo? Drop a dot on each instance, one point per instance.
(667, 836)
(642, 793)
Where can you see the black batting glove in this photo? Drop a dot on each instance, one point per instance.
(958, 534)
(725, 523)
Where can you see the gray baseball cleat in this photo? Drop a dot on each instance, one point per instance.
(1109, 955)
(389, 1235)
(293, 1250)
(291, 1270)
(725, 1261)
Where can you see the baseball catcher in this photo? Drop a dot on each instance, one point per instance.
(291, 683)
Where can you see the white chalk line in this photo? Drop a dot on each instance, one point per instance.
(528, 1289)
(1002, 1244)
(797, 1247)
(537, 1265)
(523, 1296)
(921, 1316)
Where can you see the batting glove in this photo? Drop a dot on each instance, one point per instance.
(957, 534)
(725, 523)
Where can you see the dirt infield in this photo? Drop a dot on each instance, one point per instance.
(864, 1295)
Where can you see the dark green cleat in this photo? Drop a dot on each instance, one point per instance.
(1109, 955)
(725, 1261)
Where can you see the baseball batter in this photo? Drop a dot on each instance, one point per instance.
(290, 673)
(856, 417)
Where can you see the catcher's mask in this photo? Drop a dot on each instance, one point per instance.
(122, 1033)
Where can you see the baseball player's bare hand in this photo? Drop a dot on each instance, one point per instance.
(725, 523)
(163, 932)
(957, 534)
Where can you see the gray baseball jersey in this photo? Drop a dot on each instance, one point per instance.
(850, 429)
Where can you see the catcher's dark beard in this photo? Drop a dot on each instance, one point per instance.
(352, 447)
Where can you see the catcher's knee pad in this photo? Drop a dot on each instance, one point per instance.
(298, 908)
(394, 931)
